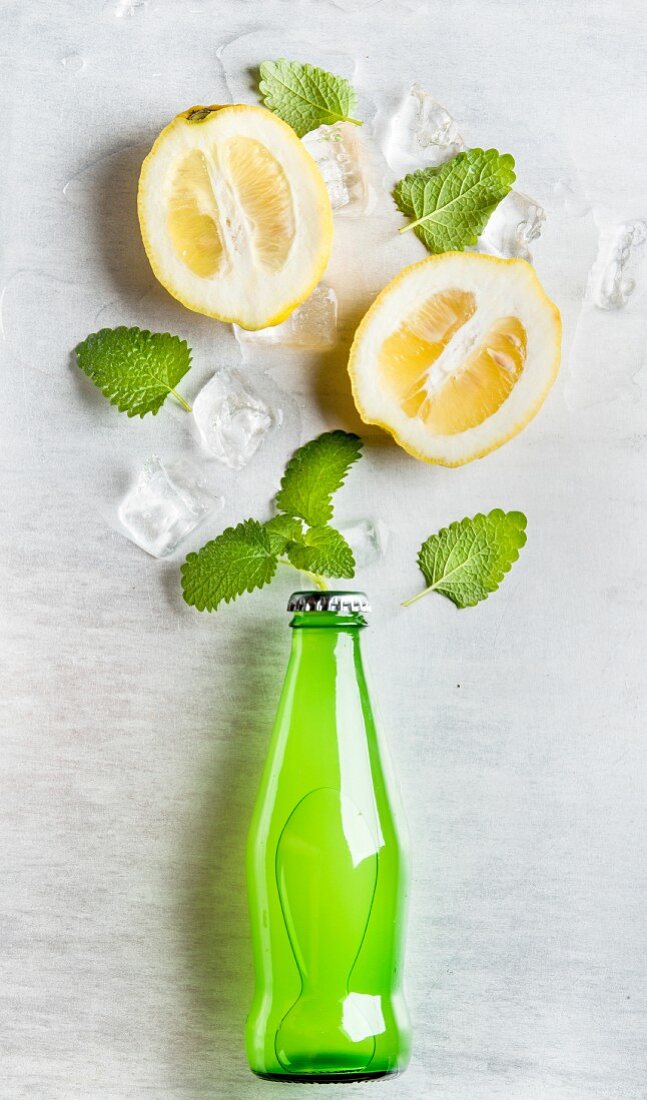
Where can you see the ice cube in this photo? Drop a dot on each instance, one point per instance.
(366, 539)
(313, 325)
(232, 420)
(514, 225)
(337, 152)
(420, 133)
(619, 266)
(165, 504)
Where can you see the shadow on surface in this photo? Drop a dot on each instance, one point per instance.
(113, 181)
(332, 386)
(214, 923)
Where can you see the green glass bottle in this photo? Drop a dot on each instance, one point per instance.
(326, 868)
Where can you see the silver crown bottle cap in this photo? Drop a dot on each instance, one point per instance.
(344, 603)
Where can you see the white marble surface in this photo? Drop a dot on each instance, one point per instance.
(134, 729)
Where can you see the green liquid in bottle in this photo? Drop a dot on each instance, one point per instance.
(326, 871)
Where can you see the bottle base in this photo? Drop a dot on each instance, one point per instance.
(326, 1078)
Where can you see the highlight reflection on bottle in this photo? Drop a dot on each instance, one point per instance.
(326, 868)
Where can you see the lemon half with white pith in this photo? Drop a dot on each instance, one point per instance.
(456, 355)
(234, 214)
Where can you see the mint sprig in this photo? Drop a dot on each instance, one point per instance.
(246, 557)
(468, 560)
(305, 96)
(135, 369)
(451, 205)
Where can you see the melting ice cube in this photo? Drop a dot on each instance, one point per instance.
(613, 316)
(420, 133)
(619, 266)
(337, 151)
(366, 539)
(233, 421)
(514, 225)
(312, 325)
(569, 197)
(165, 504)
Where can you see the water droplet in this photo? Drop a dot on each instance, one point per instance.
(351, 6)
(569, 196)
(120, 168)
(121, 9)
(73, 62)
(241, 55)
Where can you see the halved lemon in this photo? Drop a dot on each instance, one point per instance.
(234, 214)
(456, 355)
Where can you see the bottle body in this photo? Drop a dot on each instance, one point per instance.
(326, 875)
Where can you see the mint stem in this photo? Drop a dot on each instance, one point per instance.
(418, 596)
(318, 581)
(185, 404)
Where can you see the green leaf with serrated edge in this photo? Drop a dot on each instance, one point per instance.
(283, 530)
(135, 369)
(468, 560)
(304, 96)
(324, 551)
(314, 473)
(238, 561)
(450, 206)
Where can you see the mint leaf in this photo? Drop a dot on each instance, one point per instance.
(450, 206)
(136, 370)
(314, 473)
(323, 551)
(245, 557)
(306, 97)
(238, 561)
(469, 559)
(282, 530)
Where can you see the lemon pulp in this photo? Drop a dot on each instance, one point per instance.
(424, 364)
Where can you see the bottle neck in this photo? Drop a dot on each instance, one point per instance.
(326, 661)
(329, 724)
(330, 621)
(326, 640)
